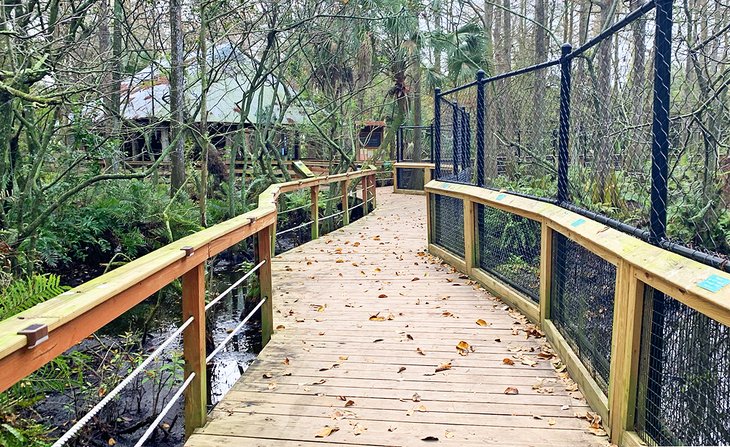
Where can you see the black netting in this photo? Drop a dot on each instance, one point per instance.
(458, 136)
(521, 132)
(581, 304)
(448, 223)
(509, 248)
(415, 143)
(410, 178)
(683, 395)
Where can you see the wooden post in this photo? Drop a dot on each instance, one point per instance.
(426, 175)
(469, 239)
(546, 271)
(625, 347)
(364, 186)
(263, 252)
(429, 211)
(314, 210)
(272, 243)
(374, 185)
(345, 203)
(193, 305)
(395, 179)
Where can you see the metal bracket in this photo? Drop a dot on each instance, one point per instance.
(35, 334)
(188, 250)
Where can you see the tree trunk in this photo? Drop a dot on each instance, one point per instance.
(177, 99)
(203, 125)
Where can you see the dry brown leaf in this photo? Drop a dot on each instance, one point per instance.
(443, 367)
(551, 421)
(511, 390)
(482, 323)
(286, 360)
(382, 295)
(508, 361)
(376, 317)
(358, 429)
(326, 431)
(401, 369)
(280, 327)
(430, 439)
(349, 403)
(268, 375)
(344, 357)
(111, 441)
(271, 386)
(420, 351)
(416, 397)
(597, 432)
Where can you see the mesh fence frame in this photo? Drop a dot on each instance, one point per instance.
(457, 161)
(410, 178)
(509, 249)
(581, 304)
(521, 132)
(415, 143)
(447, 225)
(683, 385)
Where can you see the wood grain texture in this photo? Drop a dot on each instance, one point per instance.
(365, 315)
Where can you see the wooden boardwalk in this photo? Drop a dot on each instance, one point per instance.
(364, 318)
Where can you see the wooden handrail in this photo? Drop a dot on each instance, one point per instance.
(77, 313)
(638, 265)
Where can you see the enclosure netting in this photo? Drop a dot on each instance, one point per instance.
(410, 178)
(447, 225)
(509, 248)
(581, 304)
(458, 136)
(520, 138)
(683, 395)
(415, 144)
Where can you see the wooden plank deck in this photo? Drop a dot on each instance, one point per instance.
(364, 318)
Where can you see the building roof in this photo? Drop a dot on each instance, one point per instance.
(146, 94)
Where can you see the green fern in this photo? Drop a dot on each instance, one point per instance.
(22, 294)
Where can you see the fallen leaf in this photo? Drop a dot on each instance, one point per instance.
(326, 431)
(111, 441)
(551, 421)
(511, 390)
(358, 429)
(430, 439)
(376, 317)
(598, 432)
(344, 357)
(286, 360)
(268, 375)
(416, 397)
(448, 434)
(463, 348)
(482, 323)
(272, 386)
(443, 367)
(418, 350)
(415, 279)
(401, 369)
(377, 340)
(508, 361)
(382, 295)
(280, 327)
(349, 403)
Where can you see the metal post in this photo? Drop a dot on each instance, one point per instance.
(564, 129)
(660, 121)
(658, 213)
(480, 127)
(466, 140)
(399, 144)
(437, 131)
(456, 138)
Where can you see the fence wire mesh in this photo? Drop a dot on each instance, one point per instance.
(410, 178)
(610, 139)
(448, 223)
(415, 143)
(645, 121)
(509, 248)
(684, 375)
(521, 139)
(457, 114)
(581, 304)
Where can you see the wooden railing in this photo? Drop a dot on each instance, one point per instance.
(639, 268)
(33, 338)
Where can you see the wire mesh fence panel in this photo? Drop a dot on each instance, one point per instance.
(521, 132)
(448, 223)
(698, 211)
(457, 113)
(410, 178)
(509, 248)
(683, 395)
(581, 304)
(415, 143)
(610, 126)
